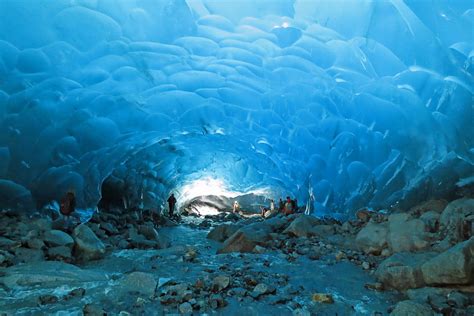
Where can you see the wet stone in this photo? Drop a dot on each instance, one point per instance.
(220, 283)
(185, 308)
(47, 299)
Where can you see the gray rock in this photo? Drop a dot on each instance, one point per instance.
(246, 238)
(9, 244)
(87, 245)
(454, 266)
(61, 252)
(26, 255)
(35, 243)
(109, 228)
(222, 232)
(406, 234)
(220, 283)
(372, 239)
(402, 270)
(306, 225)
(185, 308)
(457, 299)
(141, 282)
(55, 238)
(411, 308)
(453, 217)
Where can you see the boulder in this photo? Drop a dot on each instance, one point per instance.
(8, 244)
(247, 237)
(372, 239)
(60, 252)
(302, 226)
(406, 234)
(402, 270)
(429, 206)
(453, 219)
(35, 243)
(56, 238)
(26, 255)
(454, 266)
(411, 308)
(222, 232)
(87, 245)
(140, 282)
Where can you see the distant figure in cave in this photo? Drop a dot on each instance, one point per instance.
(236, 207)
(294, 203)
(281, 206)
(171, 204)
(271, 209)
(68, 205)
(289, 206)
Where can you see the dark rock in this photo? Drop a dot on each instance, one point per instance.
(217, 301)
(79, 292)
(47, 299)
(93, 310)
(109, 228)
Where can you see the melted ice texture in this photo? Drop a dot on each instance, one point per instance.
(359, 102)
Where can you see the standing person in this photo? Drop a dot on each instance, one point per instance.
(294, 203)
(272, 206)
(281, 206)
(236, 207)
(171, 204)
(288, 206)
(67, 208)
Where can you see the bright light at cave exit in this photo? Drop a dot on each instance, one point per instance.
(206, 186)
(210, 186)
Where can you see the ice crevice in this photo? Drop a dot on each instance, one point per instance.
(340, 104)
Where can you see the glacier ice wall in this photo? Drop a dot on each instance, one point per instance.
(360, 102)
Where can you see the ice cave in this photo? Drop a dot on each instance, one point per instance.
(319, 155)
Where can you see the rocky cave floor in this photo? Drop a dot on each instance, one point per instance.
(418, 262)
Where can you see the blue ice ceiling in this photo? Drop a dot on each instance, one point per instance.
(360, 102)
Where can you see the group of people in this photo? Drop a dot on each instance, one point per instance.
(284, 207)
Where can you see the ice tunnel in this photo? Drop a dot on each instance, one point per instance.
(342, 104)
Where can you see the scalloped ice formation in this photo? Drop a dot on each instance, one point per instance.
(363, 103)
